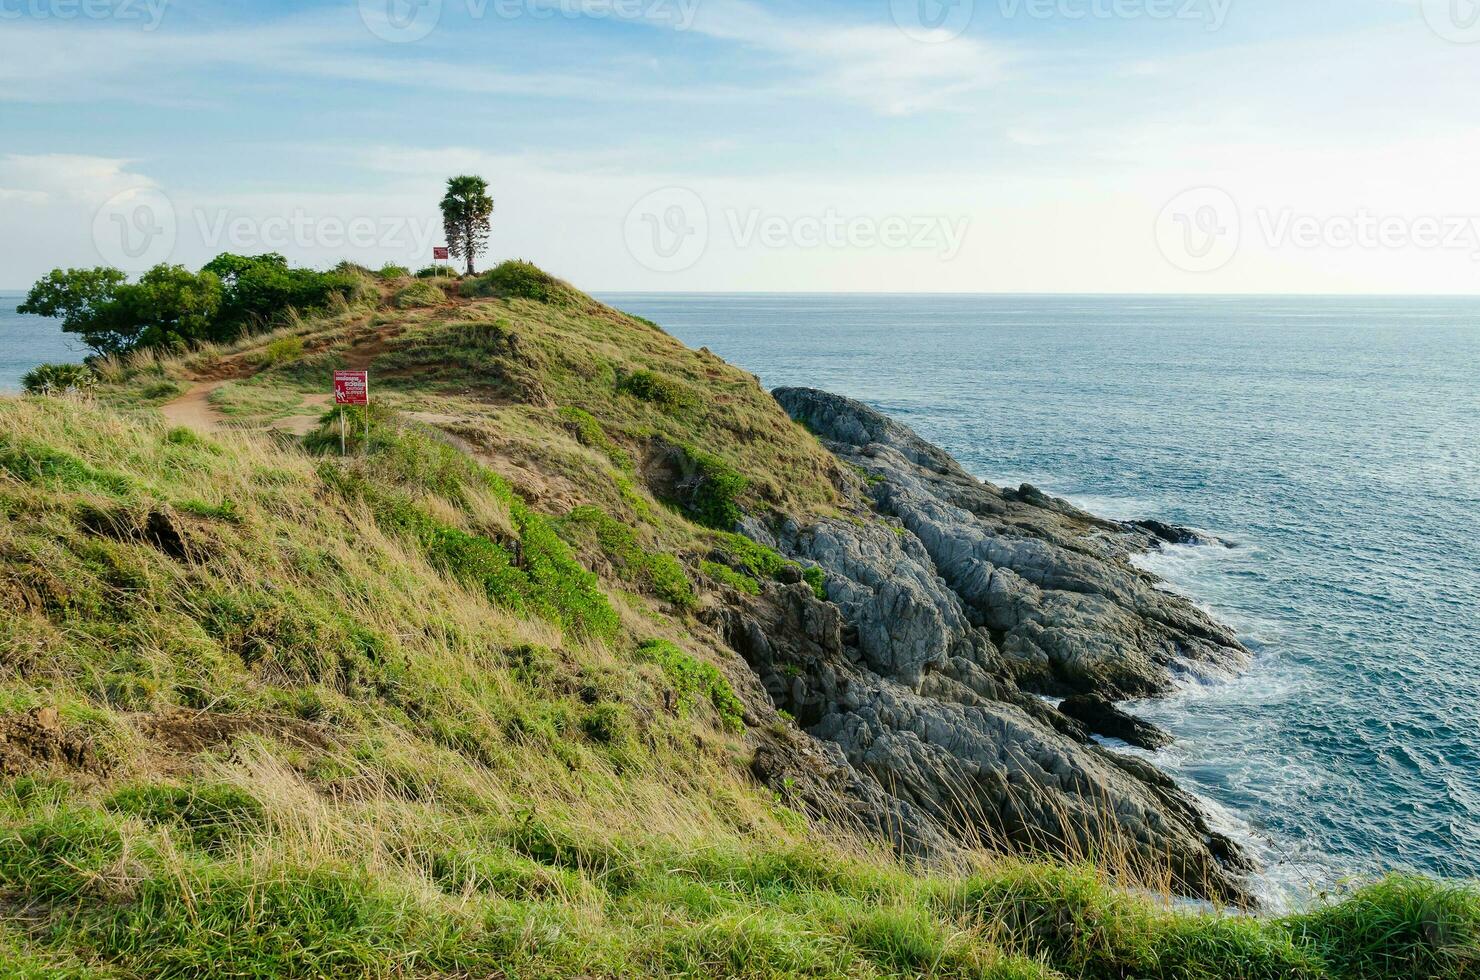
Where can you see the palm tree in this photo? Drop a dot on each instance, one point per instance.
(465, 213)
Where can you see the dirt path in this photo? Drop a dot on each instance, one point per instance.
(194, 410)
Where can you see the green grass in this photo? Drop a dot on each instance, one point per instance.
(422, 292)
(656, 572)
(449, 706)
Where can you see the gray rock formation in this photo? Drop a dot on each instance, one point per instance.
(953, 606)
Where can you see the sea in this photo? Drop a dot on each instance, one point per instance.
(26, 341)
(1332, 443)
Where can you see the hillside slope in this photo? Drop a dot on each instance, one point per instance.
(501, 693)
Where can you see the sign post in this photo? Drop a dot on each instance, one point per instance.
(352, 388)
(441, 253)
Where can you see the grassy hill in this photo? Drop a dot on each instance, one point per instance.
(451, 706)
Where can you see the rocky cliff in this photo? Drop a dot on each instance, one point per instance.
(958, 613)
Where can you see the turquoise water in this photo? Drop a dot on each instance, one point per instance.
(1336, 442)
(26, 341)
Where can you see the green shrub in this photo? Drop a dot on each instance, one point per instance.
(437, 272)
(392, 271)
(716, 487)
(755, 558)
(57, 379)
(658, 573)
(517, 279)
(419, 294)
(665, 392)
(588, 432)
(817, 579)
(728, 576)
(281, 351)
(694, 680)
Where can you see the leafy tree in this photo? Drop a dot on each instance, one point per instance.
(83, 299)
(465, 212)
(256, 288)
(172, 307)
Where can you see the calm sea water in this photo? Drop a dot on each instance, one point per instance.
(26, 341)
(1335, 441)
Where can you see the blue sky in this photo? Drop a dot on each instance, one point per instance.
(897, 145)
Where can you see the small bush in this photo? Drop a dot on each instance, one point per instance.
(517, 279)
(281, 351)
(713, 489)
(728, 576)
(817, 579)
(694, 680)
(667, 393)
(419, 294)
(392, 271)
(437, 272)
(658, 573)
(589, 433)
(58, 379)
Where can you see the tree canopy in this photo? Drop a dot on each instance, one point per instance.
(171, 307)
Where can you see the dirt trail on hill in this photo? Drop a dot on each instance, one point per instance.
(194, 410)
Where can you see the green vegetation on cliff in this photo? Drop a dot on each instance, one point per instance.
(452, 705)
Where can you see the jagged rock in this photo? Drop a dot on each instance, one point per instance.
(1173, 533)
(1103, 718)
(952, 604)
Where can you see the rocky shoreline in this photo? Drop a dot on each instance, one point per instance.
(974, 640)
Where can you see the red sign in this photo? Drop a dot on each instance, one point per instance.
(351, 387)
(441, 253)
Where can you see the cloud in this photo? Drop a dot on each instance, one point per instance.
(57, 177)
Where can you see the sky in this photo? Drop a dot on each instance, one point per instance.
(1093, 146)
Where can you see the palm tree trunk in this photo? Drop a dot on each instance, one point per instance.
(468, 237)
